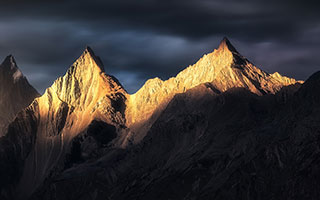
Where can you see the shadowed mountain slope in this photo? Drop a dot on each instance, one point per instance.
(210, 145)
(15, 92)
(40, 137)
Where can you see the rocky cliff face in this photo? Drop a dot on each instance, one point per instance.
(84, 95)
(224, 68)
(15, 92)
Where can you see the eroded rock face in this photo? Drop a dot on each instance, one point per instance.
(83, 95)
(15, 92)
(208, 144)
(224, 68)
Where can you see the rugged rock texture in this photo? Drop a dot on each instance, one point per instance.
(200, 135)
(224, 68)
(211, 145)
(83, 96)
(15, 92)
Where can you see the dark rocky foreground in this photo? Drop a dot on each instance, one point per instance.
(210, 145)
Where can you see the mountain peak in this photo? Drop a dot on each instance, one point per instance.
(89, 54)
(224, 68)
(15, 91)
(9, 67)
(67, 108)
(85, 80)
(9, 62)
(225, 44)
(89, 50)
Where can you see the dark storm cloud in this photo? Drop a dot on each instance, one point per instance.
(192, 19)
(140, 39)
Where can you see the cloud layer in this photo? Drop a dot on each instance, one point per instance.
(142, 39)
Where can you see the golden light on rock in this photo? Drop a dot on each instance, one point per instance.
(66, 109)
(86, 93)
(224, 68)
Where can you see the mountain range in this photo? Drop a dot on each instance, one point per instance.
(221, 129)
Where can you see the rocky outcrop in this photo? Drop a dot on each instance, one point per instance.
(224, 68)
(15, 92)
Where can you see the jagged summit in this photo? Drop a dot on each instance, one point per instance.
(83, 95)
(89, 54)
(9, 67)
(89, 49)
(11, 74)
(224, 69)
(9, 61)
(225, 44)
(84, 81)
(91, 58)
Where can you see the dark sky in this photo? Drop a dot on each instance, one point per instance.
(142, 39)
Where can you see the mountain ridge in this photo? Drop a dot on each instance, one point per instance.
(210, 145)
(87, 113)
(224, 68)
(84, 94)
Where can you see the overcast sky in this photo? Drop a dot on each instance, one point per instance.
(142, 39)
